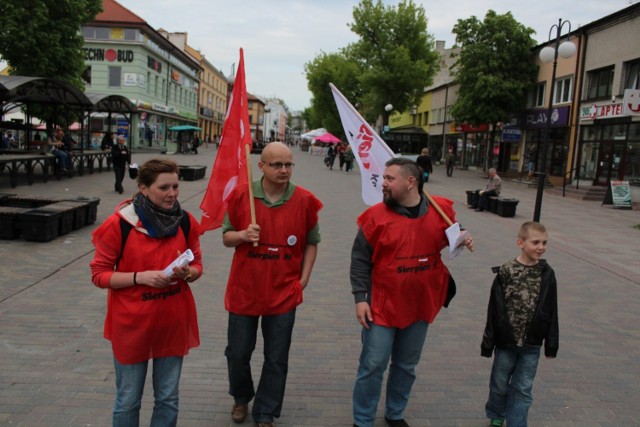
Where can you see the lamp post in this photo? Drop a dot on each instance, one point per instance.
(548, 54)
(266, 111)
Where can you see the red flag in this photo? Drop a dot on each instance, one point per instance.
(230, 167)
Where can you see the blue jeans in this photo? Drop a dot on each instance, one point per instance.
(241, 341)
(379, 344)
(64, 161)
(130, 385)
(511, 383)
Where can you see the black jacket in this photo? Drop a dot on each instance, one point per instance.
(543, 327)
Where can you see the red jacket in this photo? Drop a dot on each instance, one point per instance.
(265, 280)
(142, 322)
(409, 280)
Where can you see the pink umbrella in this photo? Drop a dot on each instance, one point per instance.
(328, 137)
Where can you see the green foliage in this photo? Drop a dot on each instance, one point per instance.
(41, 38)
(328, 68)
(396, 53)
(392, 62)
(494, 68)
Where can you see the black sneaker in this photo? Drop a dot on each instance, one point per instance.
(396, 423)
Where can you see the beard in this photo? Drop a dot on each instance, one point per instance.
(389, 200)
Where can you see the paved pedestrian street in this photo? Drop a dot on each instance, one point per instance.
(57, 369)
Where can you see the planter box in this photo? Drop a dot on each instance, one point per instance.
(472, 198)
(10, 222)
(506, 207)
(39, 225)
(80, 211)
(192, 173)
(493, 204)
(66, 218)
(91, 212)
(27, 202)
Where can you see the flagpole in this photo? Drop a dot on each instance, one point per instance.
(437, 208)
(252, 205)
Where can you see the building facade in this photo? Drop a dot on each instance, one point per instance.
(127, 57)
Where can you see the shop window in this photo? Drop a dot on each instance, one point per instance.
(115, 76)
(632, 75)
(600, 83)
(562, 92)
(590, 133)
(634, 132)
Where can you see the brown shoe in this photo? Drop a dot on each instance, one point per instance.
(239, 412)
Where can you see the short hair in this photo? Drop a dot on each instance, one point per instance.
(526, 228)
(150, 170)
(492, 170)
(425, 151)
(409, 168)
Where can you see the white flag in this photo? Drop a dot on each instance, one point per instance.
(370, 150)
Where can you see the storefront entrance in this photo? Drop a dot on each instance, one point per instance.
(610, 165)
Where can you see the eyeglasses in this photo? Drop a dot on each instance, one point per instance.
(279, 165)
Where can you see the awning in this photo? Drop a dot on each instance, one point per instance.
(179, 128)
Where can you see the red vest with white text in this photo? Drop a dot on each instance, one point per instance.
(265, 280)
(409, 280)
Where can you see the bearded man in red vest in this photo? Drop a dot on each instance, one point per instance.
(271, 267)
(400, 284)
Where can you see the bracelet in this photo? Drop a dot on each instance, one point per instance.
(135, 282)
(188, 276)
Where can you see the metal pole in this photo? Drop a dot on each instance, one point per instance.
(542, 167)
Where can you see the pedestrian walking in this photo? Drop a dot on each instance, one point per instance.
(120, 157)
(348, 159)
(150, 315)
(424, 161)
(450, 161)
(271, 268)
(522, 314)
(399, 284)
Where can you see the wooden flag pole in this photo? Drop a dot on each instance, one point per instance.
(439, 210)
(252, 204)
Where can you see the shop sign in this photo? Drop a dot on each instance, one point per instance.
(110, 55)
(538, 118)
(596, 112)
(632, 102)
(619, 195)
(130, 79)
(511, 134)
(160, 107)
(465, 127)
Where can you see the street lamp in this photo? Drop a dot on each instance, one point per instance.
(566, 50)
(264, 121)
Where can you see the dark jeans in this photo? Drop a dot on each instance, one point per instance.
(483, 199)
(450, 169)
(241, 341)
(119, 171)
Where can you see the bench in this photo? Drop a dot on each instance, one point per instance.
(30, 162)
(503, 206)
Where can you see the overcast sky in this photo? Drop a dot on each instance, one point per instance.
(280, 36)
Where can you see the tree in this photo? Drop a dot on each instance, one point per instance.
(327, 68)
(42, 38)
(392, 62)
(493, 68)
(396, 55)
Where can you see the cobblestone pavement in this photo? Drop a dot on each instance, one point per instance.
(58, 370)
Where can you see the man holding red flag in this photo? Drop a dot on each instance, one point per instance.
(230, 166)
(271, 267)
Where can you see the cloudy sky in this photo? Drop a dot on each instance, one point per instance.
(280, 36)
